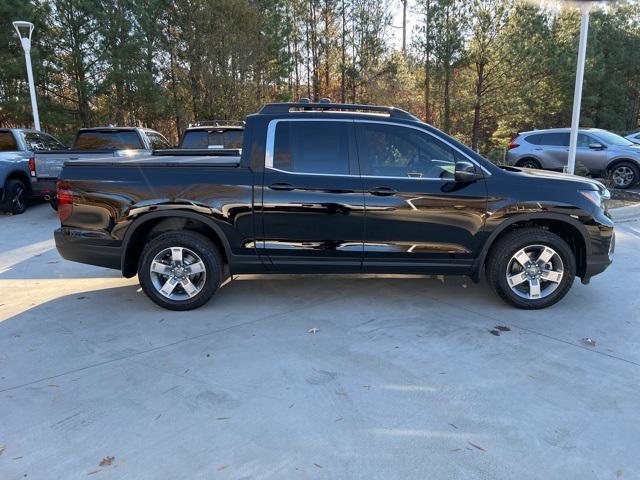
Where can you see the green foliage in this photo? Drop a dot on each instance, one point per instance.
(481, 69)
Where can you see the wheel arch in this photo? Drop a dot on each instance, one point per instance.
(19, 175)
(617, 161)
(526, 157)
(567, 228)
(155, 223)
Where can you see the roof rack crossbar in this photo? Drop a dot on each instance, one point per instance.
(274, 108)
(217, 123)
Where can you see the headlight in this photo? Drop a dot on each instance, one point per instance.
(599, 199)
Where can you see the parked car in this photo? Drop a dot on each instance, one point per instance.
(17, 181)
(634, 137)
(93, 143)
(333, 188)
(603, 153)
(215, 134)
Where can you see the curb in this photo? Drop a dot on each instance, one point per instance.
(625, 214)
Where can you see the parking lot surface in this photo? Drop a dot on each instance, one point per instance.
(404, 377)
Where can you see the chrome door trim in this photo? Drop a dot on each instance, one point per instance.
(271, 133)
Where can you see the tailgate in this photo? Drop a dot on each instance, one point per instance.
(49, 164)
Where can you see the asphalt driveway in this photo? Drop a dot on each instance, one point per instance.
(403, 379)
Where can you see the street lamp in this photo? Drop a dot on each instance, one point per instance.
(25, 39)
(585, 7)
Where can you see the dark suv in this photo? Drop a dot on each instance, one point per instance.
(333, 188)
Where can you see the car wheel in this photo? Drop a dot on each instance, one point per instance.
(624, 175)
(16, 196)
(531, 268)
(180, 270)
(529, 163)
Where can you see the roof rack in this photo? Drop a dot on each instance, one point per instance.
(323, 105)
(217, 123)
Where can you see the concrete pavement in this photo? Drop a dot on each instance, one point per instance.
(402, 380)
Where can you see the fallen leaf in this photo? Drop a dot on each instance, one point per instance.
(16, 458)
(53, 385)
(339, 418)
(223, 418)
(589, 342)
(106, 461)
(158, 417)
(186, 371)
(453, 426)
(95, 471)
(495, 332)
(319, 466)
(342, 394)
(503, 328)
(291, 406)
(477, 446)
(80, 298)
(313, 330)
(222, 467)
(456, 449)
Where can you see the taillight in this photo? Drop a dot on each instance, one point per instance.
(512, 143)
(32, 166)
(65, 201)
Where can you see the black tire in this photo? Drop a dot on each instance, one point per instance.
(16, 196)
(628, 174)
(196, 243)
(501, 257)
(54, 203)
(529, 163)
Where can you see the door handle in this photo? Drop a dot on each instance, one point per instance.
(382, 191)
(282, 186)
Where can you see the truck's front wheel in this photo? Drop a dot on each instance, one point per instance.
(180, 270)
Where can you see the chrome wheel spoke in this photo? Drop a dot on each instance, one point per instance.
(189, 288)
(551, 276)
(196, 267)
(160, 268)
(534, 288)
(545, 256)
(169, 286)
(176, 255)
(517, 279)
(522, 258)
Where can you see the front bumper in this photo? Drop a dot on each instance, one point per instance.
(596, 264)
(78, 248)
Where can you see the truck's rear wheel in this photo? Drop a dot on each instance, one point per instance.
(531, 268)
(180, 270)
(15, 196)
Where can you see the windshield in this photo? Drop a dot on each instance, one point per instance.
(612, 139)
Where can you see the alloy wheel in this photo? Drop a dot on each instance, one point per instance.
(178, 273)
(535, 272)
(19, 199)
(623, 176)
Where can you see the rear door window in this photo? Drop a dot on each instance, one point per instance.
(555, 139)
(108, 140)
(535, 139)
(7, 142)
(312, 147)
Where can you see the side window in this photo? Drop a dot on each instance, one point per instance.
(394, 151)
(40, 142)
(535, 139)
(7, 142)
(312, 147)
(556, 139)
(585, 140)
(157, 141)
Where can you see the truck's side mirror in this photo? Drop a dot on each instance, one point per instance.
(466, 172)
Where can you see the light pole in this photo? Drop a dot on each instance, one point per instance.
(25, 39)
(585, 7)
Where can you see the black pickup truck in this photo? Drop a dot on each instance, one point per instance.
(333, 188)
